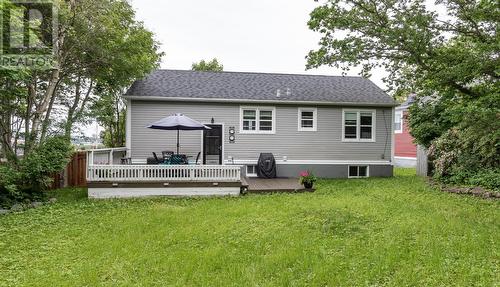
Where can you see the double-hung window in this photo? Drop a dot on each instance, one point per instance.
(358, 125)
(307, 119)
(398, 122)
(257, 119)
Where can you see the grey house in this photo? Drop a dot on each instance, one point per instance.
(337, 127)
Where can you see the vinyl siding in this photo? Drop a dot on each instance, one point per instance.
(404, 146)
(323, 144)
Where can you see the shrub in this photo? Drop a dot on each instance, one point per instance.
(48, 158)
(462, 134)
(470, 152)
(487, 178)
(33, 175)
(9, 191)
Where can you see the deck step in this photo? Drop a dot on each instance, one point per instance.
(244, 181)
(261, 185)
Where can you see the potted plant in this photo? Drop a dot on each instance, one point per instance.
(307, 179)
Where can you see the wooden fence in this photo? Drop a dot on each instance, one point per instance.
(75, 174)
(424, 168)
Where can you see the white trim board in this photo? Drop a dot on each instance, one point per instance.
(405, 157)
(128, 128)
(393, 137)
(313, 162)
(320, 162)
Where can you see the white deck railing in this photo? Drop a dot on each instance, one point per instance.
(148, 173)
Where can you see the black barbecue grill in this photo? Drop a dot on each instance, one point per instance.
(266, 166)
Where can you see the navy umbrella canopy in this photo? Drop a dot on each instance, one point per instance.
(178, 122)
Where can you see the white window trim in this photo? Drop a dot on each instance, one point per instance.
(257, 119)
(400, 131)
(358, 165)
(315, 120)
(358, 122)
(251, 174)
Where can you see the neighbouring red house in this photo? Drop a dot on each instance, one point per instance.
(405, 151)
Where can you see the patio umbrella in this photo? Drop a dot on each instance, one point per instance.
(178, 122)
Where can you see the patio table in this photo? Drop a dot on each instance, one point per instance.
(178, 159)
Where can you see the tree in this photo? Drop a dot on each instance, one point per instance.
(422, 51)
(99, 44)
(110, 55)
(12, 104)
(213, 66)
(110, 112)
(450, 60)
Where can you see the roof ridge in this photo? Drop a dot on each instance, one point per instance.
(263, 73)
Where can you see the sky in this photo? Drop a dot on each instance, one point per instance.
(247, 36)
(244, 35)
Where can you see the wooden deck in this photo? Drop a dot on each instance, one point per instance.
(261, 185)
(108, 181)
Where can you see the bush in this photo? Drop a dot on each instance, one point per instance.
(33, 175)
(487, 178)
(43, 162)
(9, 191)
(470, 153)
(462, 134)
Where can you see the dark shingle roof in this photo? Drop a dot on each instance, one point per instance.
(258, 87)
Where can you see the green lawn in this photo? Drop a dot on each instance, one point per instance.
(369, 232)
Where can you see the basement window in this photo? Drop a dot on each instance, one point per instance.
(358, 171)
(251, 170)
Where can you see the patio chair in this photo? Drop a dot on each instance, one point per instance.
(196, 161)
(167, 156)
(158, 161)
(126, 160)
(197, 158)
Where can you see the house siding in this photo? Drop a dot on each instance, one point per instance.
(325, 144)
(404, 146)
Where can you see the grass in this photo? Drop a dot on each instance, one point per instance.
(368, 232)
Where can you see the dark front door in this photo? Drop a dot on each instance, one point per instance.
(212, 145)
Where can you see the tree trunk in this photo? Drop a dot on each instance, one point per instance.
(76, 110)
(71, 110)
(6, 137)
(41, 110)
(30, 99)
(46, 121)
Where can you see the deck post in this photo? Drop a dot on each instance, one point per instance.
(110, 156)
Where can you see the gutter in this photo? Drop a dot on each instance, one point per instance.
(283, 102)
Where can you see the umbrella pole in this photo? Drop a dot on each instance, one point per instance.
(177, 141)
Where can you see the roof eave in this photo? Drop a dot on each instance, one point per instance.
(281, 101)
